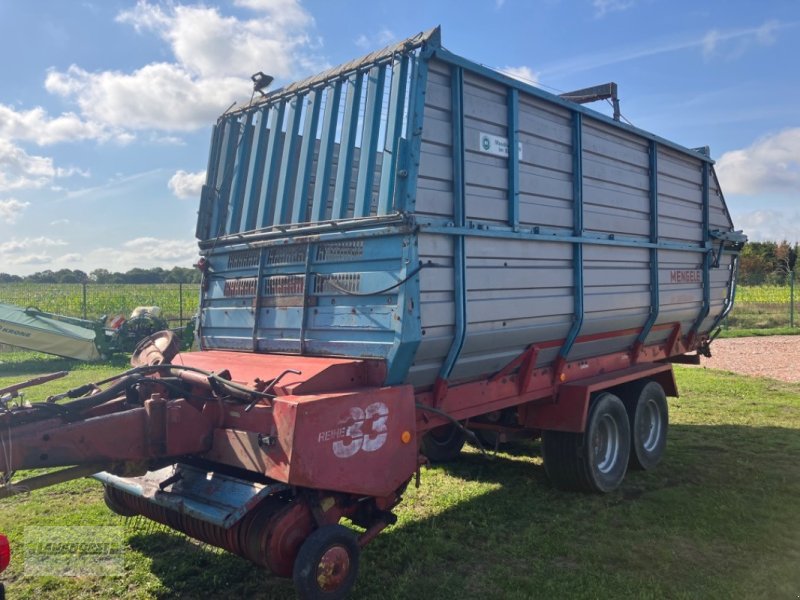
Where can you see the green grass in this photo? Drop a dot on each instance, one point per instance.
(755, 332)
(719, 518)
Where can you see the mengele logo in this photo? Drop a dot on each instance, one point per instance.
(687, 276)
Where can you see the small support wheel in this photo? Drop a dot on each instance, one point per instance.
(648, 414)
(444, 443)
(326, 566)
(593, 461)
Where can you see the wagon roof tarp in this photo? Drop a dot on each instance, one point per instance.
(36, 332)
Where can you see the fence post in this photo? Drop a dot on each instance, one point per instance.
(180, 303)
(791, 298)
(84, 299)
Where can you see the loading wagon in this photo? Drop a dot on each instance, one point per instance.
(400, 253)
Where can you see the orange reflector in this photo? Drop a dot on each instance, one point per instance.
(405, 437)
(563, 377)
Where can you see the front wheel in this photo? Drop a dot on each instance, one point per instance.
(443, 443)
(326, 566)
(593, 461)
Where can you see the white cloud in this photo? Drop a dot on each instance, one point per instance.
(20, 170)
(769, 225)
(771, 164)
(381, 38)
(523, 73)
(15, 246)
(157, 96)
(35, 125)
(11, 209)
(603, 7)
(209, 44)
(187, 185)
(143, 252)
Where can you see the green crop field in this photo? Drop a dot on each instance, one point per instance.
(764, 307)
(718, 519)
(177, 301)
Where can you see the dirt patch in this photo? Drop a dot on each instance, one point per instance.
(775, 356)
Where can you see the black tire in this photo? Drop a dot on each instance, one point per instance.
(593, 461)
(326, 566)
(443, 444)
(110, 497)
(648, 415)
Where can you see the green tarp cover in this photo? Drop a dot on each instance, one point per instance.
(35, 332)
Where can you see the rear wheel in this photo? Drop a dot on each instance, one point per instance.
(444, 443)
(326, 566)
(648, 414)
(593, 461)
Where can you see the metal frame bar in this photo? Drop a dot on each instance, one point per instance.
(706, 306)
(369, 141)
(300, 205)
(577, 249)
(242, 168)
(344, 170)
(223, 179)
(394, 127)
(283, 195)
(325, 158)
(459, 218)
(266, 206)
(654, 269)
(513, 157)
(255, 181)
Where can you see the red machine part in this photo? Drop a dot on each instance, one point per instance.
(5, 553)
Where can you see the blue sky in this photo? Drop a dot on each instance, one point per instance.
(106, 106)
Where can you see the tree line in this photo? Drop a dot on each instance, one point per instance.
(154, 275)
(760, 263)
(770, 263)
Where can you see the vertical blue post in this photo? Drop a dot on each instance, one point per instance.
(300, 205)
(513, 158)
(704, 309)
(266, 203)
(325, 159)
(394, 132)
(459, 218)
(419, 80)
(347, 144)
(369, 141)
(223, 179)
(253, 188)
(241, 172)
(283, 197)
(654, 270)
(577, 230)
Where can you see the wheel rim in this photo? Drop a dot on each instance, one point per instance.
(333, 568)
(606, 444)
(650, 425)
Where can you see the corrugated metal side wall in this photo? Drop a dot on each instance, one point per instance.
(523, 291)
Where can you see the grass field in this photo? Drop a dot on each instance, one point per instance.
(719, 518)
